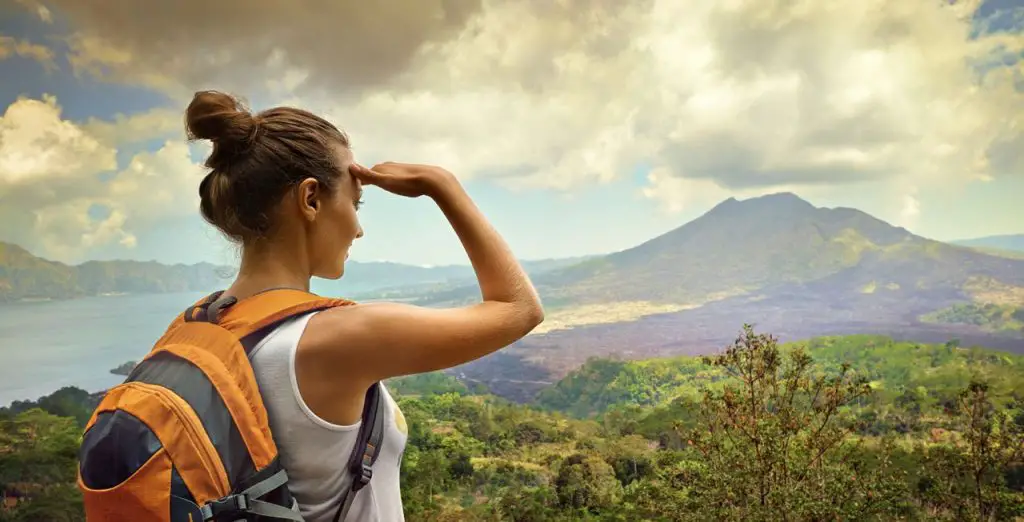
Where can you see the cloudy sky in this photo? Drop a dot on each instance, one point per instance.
(581, 126)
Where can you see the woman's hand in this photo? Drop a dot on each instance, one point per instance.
(404, 179)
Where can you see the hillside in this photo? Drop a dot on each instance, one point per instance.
(892, 367)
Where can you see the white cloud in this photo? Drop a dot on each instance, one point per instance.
(64, 231)
(167, 181)
(911, 209)
(36, 145)
(677, 194)
(722, 98)
(734, 97)
(55, 172)
(159, 122)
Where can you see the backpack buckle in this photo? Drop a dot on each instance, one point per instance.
(232, 504)
(365, 474)
(210, 309)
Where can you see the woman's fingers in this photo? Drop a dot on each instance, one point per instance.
(363, 174)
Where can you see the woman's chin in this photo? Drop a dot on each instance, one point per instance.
(335, 273)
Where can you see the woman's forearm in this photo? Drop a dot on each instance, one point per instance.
(499, 273)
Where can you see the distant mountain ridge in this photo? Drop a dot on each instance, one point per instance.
(384, 278)
(24, 276)
(1007, 242)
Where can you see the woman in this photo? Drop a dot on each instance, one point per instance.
(283, 184)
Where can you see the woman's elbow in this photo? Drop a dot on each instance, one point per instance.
(519, 318)
(533, 315)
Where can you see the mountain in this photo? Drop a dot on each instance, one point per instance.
(25, 276)
(777, 261)
(773, 241)
(746, 247)
(1007, 243)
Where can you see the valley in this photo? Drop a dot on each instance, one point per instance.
(548, 357)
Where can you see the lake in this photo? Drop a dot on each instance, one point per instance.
(47, 345)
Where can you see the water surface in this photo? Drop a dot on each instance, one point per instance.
(47, 345)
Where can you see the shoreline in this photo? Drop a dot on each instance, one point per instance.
(94, 396)
(37, 300)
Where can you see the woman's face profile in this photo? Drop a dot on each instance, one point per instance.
(336, 225)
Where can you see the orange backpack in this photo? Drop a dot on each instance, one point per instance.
(186, 436)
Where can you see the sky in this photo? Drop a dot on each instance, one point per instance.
(579, 126)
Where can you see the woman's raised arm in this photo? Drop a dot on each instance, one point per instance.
(374, 341)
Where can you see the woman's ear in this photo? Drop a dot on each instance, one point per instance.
(309, 201)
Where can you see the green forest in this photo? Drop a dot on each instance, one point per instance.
(834, 428)
(989, 316)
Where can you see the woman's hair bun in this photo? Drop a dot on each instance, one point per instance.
(220, 118)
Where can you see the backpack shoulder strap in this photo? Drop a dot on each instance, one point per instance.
(367, 449)
(252, 318)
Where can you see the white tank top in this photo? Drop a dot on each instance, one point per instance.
(315, 452)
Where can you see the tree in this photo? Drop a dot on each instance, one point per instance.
(425, 475)
(59, 503)
(520, 503)
(909, 404)
(37, 447)
(38, 454)
(777, 443)
(587, 482)
(966, 480)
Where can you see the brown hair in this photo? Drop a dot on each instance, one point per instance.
(256, 159)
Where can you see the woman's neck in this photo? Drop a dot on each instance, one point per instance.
(263, 269)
